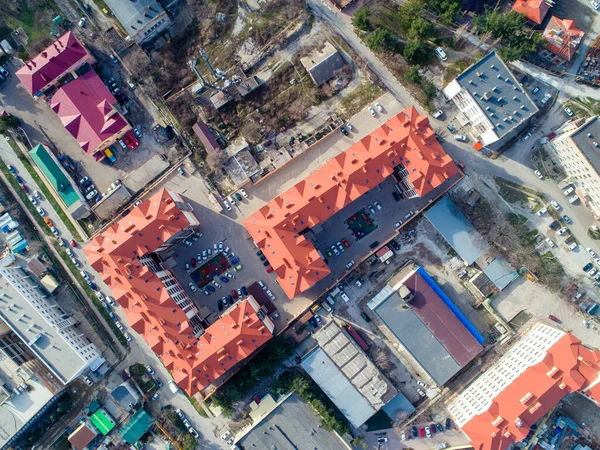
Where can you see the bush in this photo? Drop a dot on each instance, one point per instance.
(415, 51)
(413, 75)
(8, 123)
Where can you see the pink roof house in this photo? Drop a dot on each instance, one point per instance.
(85, 107)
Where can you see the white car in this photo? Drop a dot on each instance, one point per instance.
(573, 199)
(371, 110)
(85, 275)
(550, 243)
(88, 381)
(591, 252)
(555, 205)
(595, 5)
(538, 174)
(592, 272)
(41, 211)
(377, 205)
(127, 336)
(192, 286)
(70, 252)
(81, 22)
(226, 203)
(37, 195)
(562, 231)
(441, 54)
(542, 211)
(428, 431)
(244, 193)
(568, 191)
(75, 262)
(231, 200)
(460, 137)
(100, 295)
(526, 137)
(33, 200)
(573, 246)
(349, 126)
(438, 113)
(379, 107)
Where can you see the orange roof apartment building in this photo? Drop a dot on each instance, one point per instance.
(126, 256)
(405, 143)
(500, 406)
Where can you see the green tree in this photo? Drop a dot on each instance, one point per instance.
(8, 123)
(408, 13)
(429, 90)
(421, 29)
(360, 440)
(380, 39)
(188, 442)
(360, 19)
(413, 75)
(414, 51)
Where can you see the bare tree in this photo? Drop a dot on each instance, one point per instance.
(382, 359)
(460, 33)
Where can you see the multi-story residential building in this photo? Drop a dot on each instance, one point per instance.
(142, 19)
(563, 39)
(577, 151)
(404, 147)
(501, 405)
(54, 66)
(491, 101)
(128, 255)
(49, 331)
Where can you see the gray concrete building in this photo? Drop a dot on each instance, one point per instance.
(143, 20)
(321, 64)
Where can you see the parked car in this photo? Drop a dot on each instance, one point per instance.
(555, 205)
(553, 318)
(441, 54)
(566, 219)
(379, 107)
(371, 110)
(538, 174)
(460, 137)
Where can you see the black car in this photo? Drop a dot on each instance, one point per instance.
(230, 299)
(555, 225)
(266, 263)
(210, 288)
(313, 322)
(259, 253)
(163, 408)
(364, 316)
(587, 267)
(18, 178)
(415, 432)
(374, 244)
(244, 291)
(448, 423)
(220, 304)
(344, 131)
(263, 257)
(396, 196)
(451, 129)
(439, 427)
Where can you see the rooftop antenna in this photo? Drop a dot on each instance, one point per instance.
(205, 58)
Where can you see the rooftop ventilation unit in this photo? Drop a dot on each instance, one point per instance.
(479, 74)
(492, 66)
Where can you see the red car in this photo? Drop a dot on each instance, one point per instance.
(131, 137)
(422, 432)
(73, 243)
(234, 294)
(269, 270)
(346, 243)
(193, 262)
(551, 317)
(25, 189)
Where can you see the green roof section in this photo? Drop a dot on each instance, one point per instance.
(93, 407)
(133, 430)
(54, 174)
(102, 420)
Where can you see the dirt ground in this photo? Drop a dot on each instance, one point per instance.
(585, 413)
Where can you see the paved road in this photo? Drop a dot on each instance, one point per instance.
(341, 26)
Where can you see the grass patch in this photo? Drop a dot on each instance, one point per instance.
(49, 196)
(197, 407)
(455, 69)
(359, 98)
(103, 7)
(35, 16)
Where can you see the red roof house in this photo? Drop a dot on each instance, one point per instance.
(563, 38)
(406, 139)
(120, 255)
(63, 56)
(85, 107)
(534, 10)
(566, 367)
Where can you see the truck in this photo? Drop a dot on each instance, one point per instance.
(174, 388)
(110, 155)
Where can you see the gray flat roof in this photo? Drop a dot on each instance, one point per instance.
(500, 272)
(291, 426)
(338, 388)
(28, 325)
(417, 339)
(134, 15)
(462, 236)
(586, 144)
(506, 98)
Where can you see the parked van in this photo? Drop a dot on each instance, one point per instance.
(330, 300)
(326, 307)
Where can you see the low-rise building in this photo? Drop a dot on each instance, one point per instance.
(87, 110)
(577, 151)
(83, 435)
(52, 67)
(321, 64)
(534, 10)
(142, 19)
(491, 102)
(502, 404)
(563, 38)
(428, 325)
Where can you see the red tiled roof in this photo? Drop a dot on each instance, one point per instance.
(62, 55)
(567, 367)
(563, 37)
(84, 106)
(194, 362)
(81, 437)
(406, 138)
(534, 10)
